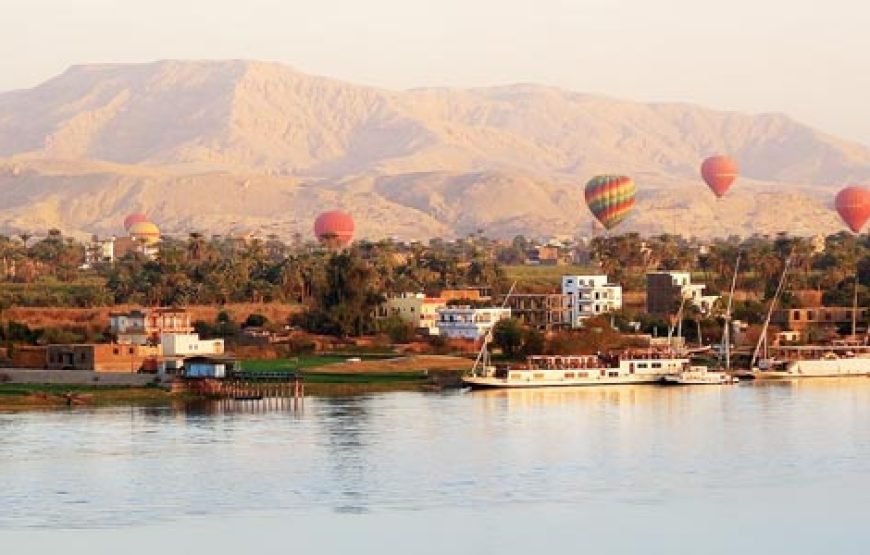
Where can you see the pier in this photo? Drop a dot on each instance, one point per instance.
(252, 390)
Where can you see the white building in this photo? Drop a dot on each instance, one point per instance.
(180, 347)
(189, 344)
(590, 295)
(99, 250)
(465, 322)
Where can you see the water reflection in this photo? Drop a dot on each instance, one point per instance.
(381, 455)
(345, 421)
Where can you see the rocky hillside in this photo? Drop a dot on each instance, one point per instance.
(235, 145)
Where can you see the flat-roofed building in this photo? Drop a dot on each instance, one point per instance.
(824, 318)
(544, 311)
(590, 295)
(466, 322)
(102, 357)
(141, 327)
(666, 290)
(416, 309)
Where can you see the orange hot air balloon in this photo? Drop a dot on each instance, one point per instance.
(334, 229)
(719, 172)
(853, 205)
(132, 219)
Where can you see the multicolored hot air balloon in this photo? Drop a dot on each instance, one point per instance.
(334, 228)
(719, 172)
(853, 205)
(134, 219)
(610, 198)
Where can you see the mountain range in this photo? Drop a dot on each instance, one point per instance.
(240, 146)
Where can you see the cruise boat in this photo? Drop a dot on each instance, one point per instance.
(584, 370)
(815, 361)
(840, 358)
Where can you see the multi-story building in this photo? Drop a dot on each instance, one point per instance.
(545, 311)
(415, 308)
(589, 296)
(141, 327)
(826, 319)
(665, 291)
(465, 322)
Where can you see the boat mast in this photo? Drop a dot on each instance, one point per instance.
(763, 336)
(483, 355)
(855, 309)
(726, 335)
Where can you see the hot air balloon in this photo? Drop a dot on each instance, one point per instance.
(134, 219)
(144, 232)
(853, 205)
(610, 198)
(334, 228)
(719, 172)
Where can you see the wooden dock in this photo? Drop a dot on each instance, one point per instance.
(253, 390)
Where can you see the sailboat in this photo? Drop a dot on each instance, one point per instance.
(839, 359)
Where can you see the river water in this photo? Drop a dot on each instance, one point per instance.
(753, 468)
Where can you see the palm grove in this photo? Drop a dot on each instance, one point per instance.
(340, 290)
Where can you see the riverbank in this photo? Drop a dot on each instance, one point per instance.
(34, 389)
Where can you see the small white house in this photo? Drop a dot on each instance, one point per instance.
(189, 344)
(465, 322)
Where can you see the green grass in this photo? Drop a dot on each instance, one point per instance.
(545, 276)
(368, 378)
(303, 362)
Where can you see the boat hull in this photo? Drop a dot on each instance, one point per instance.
(501, 383)
(830, 368)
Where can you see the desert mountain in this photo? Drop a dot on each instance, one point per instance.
(236, 145)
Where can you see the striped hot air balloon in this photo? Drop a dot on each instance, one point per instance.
(610, 198)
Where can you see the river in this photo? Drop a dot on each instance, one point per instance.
(754, 468)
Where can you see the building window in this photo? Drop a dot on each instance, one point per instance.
(131, 350)
(116, 351)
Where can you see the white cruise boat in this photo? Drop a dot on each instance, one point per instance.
(815, 361)
(585, 370)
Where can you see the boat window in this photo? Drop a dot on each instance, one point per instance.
(656, 364)
(538, 376)
(641, 365)
(569, 375)
(516, 376)
(613, 374)
(582, 374)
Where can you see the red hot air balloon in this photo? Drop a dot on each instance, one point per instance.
(853, 205)
(132, 219)
(719, 172)
(334, 228)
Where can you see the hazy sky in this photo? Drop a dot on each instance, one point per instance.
(808, 58)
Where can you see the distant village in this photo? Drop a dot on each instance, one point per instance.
(440, 297)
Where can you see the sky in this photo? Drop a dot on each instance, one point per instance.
(806, 58)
